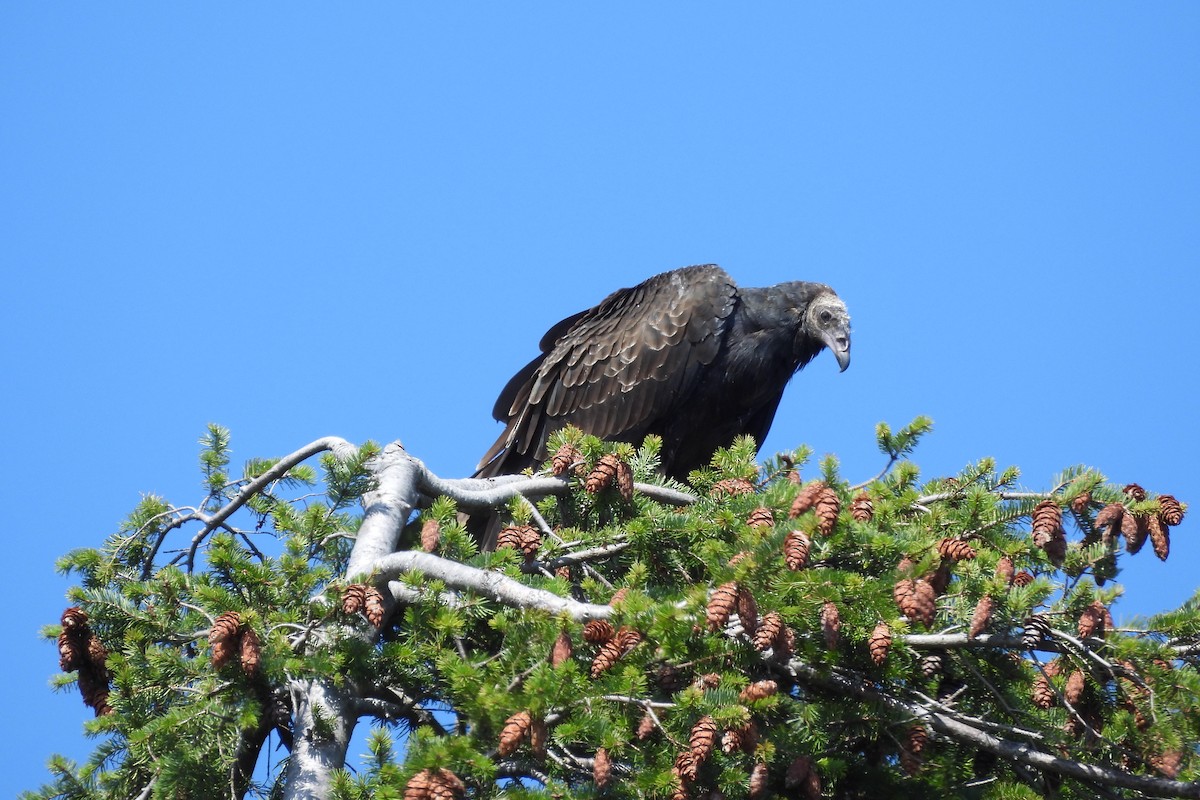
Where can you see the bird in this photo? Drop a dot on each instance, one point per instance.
(687, 355)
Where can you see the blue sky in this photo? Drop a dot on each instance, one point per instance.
(301, 220)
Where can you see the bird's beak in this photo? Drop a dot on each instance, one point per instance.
(838, 341)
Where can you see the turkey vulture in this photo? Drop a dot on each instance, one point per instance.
(686, 355)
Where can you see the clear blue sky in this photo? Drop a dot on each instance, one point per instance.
(303, 219)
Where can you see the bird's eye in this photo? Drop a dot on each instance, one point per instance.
(826, 317)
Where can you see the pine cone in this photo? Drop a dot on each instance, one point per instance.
(646, 727)
(1160, 536)
(902, 592)
(445, 785)
(747, 610)
(731, 741)
(831, 624)
(1081, 502)
(624, 480)
(1134, 492)
(598, 631)
(1091, 621)
(624, 641)
(862, 508)
(828, 506)
(709, 680)
(1036, 629)
(601, 769)
(628, 638)
(932, 664)
(702, 738)
(417, 787)
(431, 534)
(531, 542)
(956, 549)
(1133, 528)
(806, 499)
(538, 735)
(982, 616)
(1023, 578)
(686, 767)
(1074, 688)
(669, 678)
(795, 549)
(72, 652)
(560, 652)
(785, 644)
(758, 781)
(1041, 692)
(1005, 570)
(731, 487)
(721, 605)
(374, 607)
(759, 690)
(353, 597)
(223, 638)
(1109, 518)
(797, 772)
(1167, 763)
(921, 604)
(74, 617)
(509, 536)
(514, 730)
(761, 517)
(910, 754)
(567, 456)
(769, 629)
(250, 651)
(602, 475)
(1048, 532)
(939, 579)
(1170, 509)
(879, 643)
(618, 596)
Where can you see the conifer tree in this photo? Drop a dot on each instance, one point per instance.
(768, 629)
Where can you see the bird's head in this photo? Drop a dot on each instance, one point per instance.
(827, 320)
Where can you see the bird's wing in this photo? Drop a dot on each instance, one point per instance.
(617, 368)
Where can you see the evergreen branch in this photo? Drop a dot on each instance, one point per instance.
(858, 686)
(489, 584)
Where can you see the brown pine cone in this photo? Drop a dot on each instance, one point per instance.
(797, 772)
(1081, 502)
(223, 638)
(1041, 692)
(618, 596)
(702, 738)
(921, 605)
(758, 781)
(785, 644)
(509, 536)
(1091, 621)
(879, 643)
(769, 629)
(982, 616)
(417, 787)
(806, 499)
(567, 456)
(862, 508)
(1047, 519)
(560, 652)
(624, 641)
(624, 480)
(374, 607)
(74, 617)
(939, 579)
(1167, 763)
(602, 475)
(431, 534)
(761, 517)
(759, 690)
(1074, 688)
(721, 605)
(628, 638)
(598, 631)
(1134, 529)
(669, 678)
(709, 680)
(646, 727)
(538, 735)
(731, 741)
(828, 506)
(910, 754)
(747, 610)
(1160, 536)
(531, 542)
(1109, 516)
(795, 549)
(902, 591)
(731, 487)
(831, 624)
(445, 785)
(601, 769)
(250, 651)
(1005, 570)
(932, 664)
(1135, 492)
(1023, 578)
(353, 597)
(686, 767)
(956, 549)
(514, 731)
(72, 652)
(93, 688)
(1171, 509)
